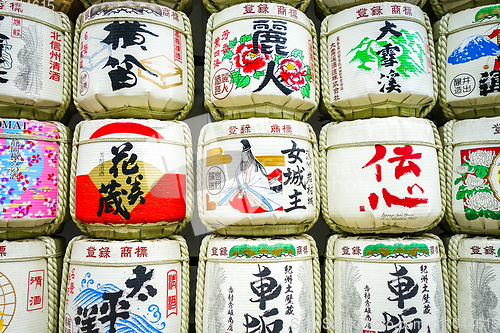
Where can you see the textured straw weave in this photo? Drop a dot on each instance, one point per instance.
(324, 10)
(453, 272)
(135, 231)
(374, 110)
(136, 112)
(174, 4)
(13, 232)
(200, 283)
(216, 6)
(453, 6)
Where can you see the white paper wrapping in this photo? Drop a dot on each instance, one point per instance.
(382, 175)
(258, 174)
(336, 5)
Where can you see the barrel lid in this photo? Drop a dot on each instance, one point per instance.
(482, 129)
(479, 248)
(474, 17)
(16, 8)
(25, 248)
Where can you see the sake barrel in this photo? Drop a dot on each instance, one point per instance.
(377, 60)
(133, 60)
(382, 175)
(185, 5)
(34, 164)
(386, 284)
(441, 7)
(247, 186)
(35, 61)
(214, 6)
(326, 7)
(29, 284)
(472, 186)
(473, 264)
(131, 178)
(56, 5)
(258, 284)
(119, 286)
(261, 61)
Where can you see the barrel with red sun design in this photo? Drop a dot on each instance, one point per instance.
(132, 178)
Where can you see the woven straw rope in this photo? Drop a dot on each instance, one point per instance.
(144, 112)
(325, 10)
(178, 4)
(452, 266)
(421, 110)
(290, 113)
(184, 259)
(215, 7)
(200, 282)
(144, 231)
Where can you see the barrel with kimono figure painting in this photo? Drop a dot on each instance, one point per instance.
(131, 178)
(258, 177)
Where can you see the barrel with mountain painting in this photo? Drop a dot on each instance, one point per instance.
(133, 60)
(125, 286)
(377, 60)
(258, 285)
(474, 265)
(35, 61)
(131, 178)
(261, 60)
(469, 63)
(382, 284)
(326, 7)
(247, 186)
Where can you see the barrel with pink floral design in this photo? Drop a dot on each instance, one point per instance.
(33, 177)
(262, 60)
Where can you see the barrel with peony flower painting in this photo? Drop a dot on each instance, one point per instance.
(377, 60)
(131, 178)
(472, 147)
(34, 170)
(261, 61)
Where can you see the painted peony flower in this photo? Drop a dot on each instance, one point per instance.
(472, 182)
(461, 169)
(483, 200)
(293, 72)
(481, 157)
(248, 62)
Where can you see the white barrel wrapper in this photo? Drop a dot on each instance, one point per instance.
(383, 175)
(134, 285)
(133, 62)
(376, 61)
(258, 176)
(382, 284)
(133, 178)
(254, 284)
(328, 7)
(472, 149)
(261, 63)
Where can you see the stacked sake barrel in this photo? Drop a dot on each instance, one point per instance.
(132, 181)
(381, 170)
(259, 270)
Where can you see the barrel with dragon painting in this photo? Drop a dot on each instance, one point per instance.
(326, 7)
(258, 285)
(377, 60)
(125, 286)
(214, 6)
(35, 61)
(131, 178)
(473, 265)
(469, 63)
(261, 60)
(384, 284)
(247, 186)
(133, 60)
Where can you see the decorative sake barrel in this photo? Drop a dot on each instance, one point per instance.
(125, 286)
(29, 284)
(377, 60)
(133, 60)
(185, 5)
(214, 6)
(35, 61)
(327, 7)
(474, 263)
(386, 284)
(34, 170)
(56, 5)
(382, 175)
(247, 186)
(441, 7)
(131, 178)
(258, 285)
(471, 154)
(469, 63)
(261, 61)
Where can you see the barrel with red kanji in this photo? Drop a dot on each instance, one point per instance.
(327, 7)
(382, 175)
(133, 60)
(35, 61)
(120, 286)
(258, 177)
(132, 178)
(377, 60)
(382, 284)
(254, 284)
(214, 6)
(261, 61)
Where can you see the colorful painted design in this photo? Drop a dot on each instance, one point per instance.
(28, 180)
(487, 12)
(276, 250)
(8, 302)
(413, 249)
